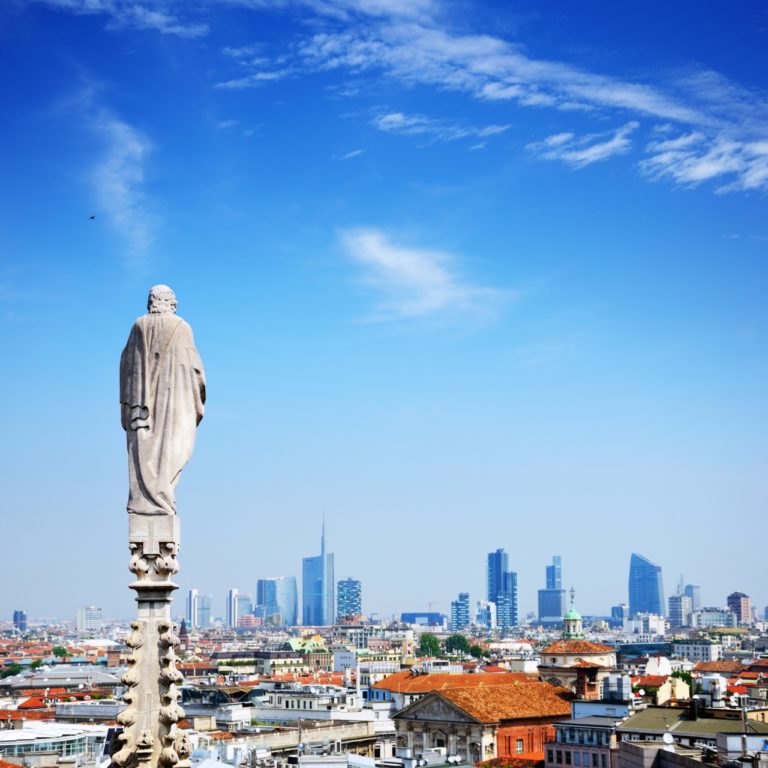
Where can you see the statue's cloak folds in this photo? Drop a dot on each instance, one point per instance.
(162, 394)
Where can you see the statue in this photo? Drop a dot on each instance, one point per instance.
(162, 394)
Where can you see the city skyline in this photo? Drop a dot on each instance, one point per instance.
(463, 276)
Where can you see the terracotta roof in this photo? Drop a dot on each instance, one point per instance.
(584, 664)
(650, 681)
(575, 647)
(520, 700)
(719, 666)
(407, 682)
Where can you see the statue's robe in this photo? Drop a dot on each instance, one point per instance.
(162, 394)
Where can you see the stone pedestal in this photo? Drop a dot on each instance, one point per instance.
(150, 738)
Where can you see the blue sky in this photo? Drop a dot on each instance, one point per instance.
(464, 275)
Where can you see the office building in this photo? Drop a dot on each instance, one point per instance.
(89, 619)
(20, 621)
(502, 589)
(694, 592)
(680, 611)
(318, 588)
(485, 615)
(203, 611)
(741, 605)
(460, 612)
(232, 606)
(349, 599)
(618, 614)
(552, 599)
(191, 612)
(276, 600)
(244, 607)
(646, 591)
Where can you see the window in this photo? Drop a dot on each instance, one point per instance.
(602, 761)
(519, 748)
(567, 756)
(559, 757)
(577, 758)
(550, 756)
(594, 760)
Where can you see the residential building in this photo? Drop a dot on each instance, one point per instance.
(89, 619)
(232, 607)
(502, 589)
(318, 592)
(192, 606)
(646, 591)
(552, 598)
(485, 615)
(698, 650)
(710, 618)
(349, 603)
(694, 592)
(584, 742)
(20, 621)
(482, 723)
(276, 600)
(741, 605)
(680, 611)
(460, 612)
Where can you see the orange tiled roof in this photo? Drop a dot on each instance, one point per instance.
(521, 700)
(407, 682)
(650, 681)
(719, 666)
(575, 647)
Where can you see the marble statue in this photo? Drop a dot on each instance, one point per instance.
(162, 397)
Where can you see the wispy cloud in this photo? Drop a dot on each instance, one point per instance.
(126, 14)
(118, 180)
(416, 282)
(579, 152)
(350, 155)
(440, 129)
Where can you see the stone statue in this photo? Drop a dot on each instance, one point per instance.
(162, 394)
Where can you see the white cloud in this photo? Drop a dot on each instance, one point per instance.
(580, 152)
(352, 154)
(126, 14)
(118, 180)
(254, 79)
(416, 282)
(442, 130)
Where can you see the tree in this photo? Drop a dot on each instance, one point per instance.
(476, 651)
(429, 645)
(686, 677)
(36, 664)
(457, 644)
(11, 669)
(60, 651)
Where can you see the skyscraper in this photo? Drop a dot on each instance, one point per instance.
(20, 621)
(349, 602)
(244, 607)
(203, 611)
(741, 605)
(460, 612)
(191, 617)
(89, 619)
(552, 599)
(502, 589)
(276, 600)
(646, 591)
(232, 607)
(680, 611)
(694, 592)
(317, 599)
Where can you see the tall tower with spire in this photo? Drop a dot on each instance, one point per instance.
(318, 587)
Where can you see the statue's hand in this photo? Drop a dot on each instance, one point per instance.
(139, 417)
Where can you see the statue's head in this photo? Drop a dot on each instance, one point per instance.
(161, 300)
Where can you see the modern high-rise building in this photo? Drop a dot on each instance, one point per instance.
(349, 601)
(244, 607)
(646, 591)
(276, 600)
(460, 612)
(191, 613)
(502, 589)
(485, 615)
(318, 588)
(694, 592)
(20, 621)
(618, 614)
(680, 611)
(741, 605)
(232, 607)
(203, 611)
(552, 599)
(89, 619)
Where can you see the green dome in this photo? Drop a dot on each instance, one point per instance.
(572, 615)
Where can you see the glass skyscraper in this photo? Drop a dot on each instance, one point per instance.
(502, 589)
(646, 591)
(552, 599)
(318, 593)
(276, 600)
